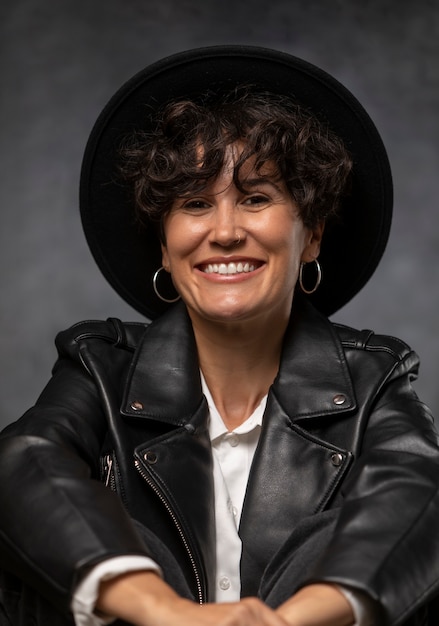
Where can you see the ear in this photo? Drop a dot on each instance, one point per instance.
(312, 247)
(165, 257)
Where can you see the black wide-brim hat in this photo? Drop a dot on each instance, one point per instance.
(128, 255)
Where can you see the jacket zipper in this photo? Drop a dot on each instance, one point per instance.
(110, 479)
(178, 527)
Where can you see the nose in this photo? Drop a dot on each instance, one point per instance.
(226, 231)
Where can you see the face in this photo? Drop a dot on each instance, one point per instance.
(235, 256)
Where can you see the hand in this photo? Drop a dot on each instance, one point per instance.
(144, 599)
(317, 605)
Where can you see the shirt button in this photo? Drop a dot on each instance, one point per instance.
(233, 439)
(233, 510)
(224, 583)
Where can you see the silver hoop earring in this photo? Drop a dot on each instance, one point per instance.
(318, 278)
(158, 294)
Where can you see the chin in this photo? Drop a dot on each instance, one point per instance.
(224, 313)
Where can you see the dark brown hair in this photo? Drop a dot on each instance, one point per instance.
(166, 162)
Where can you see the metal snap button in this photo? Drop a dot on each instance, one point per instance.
(136, 405)
(340, 398)
(150, 457)
(336, 459)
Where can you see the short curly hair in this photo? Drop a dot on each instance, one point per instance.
(166, 163)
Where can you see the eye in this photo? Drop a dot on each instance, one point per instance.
(256, 201)
(195, 204)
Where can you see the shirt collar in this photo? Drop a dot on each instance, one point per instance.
(217, 428)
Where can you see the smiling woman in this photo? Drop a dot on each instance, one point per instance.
(223, 227)
(244, 180)
(239, 451)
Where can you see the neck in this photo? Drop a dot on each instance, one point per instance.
(239, 362)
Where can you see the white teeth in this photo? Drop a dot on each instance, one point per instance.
(229, 268)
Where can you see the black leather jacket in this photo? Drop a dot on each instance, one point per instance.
(343, 435)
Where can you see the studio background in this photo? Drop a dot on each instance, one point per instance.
(62, 60)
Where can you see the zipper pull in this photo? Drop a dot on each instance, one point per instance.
(109, 461)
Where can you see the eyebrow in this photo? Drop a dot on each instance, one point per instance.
(259, 180)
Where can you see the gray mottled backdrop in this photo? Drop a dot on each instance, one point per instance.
(62, 59)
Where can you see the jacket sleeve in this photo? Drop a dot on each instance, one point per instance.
(49, 460)
(386, 541)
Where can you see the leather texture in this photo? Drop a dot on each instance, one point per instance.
(344, 439)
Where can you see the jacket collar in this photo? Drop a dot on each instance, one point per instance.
(164, 382)
(164, 379)
(314, 377)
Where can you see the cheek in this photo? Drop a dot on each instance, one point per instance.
(183, 237)
(172, 238)
(291, 248)
(285, 236)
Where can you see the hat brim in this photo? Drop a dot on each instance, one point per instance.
(128, 255)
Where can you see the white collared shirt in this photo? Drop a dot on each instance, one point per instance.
(232, 458)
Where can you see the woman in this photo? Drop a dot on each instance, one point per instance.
(240, 452)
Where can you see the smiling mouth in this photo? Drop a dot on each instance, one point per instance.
(241, 267)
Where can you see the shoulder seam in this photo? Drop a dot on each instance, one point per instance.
(378, 348)
(106, 330)
(369, 341)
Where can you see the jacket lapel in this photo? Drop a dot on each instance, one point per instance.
(164, 397)
(164, 380)
(294, 472)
